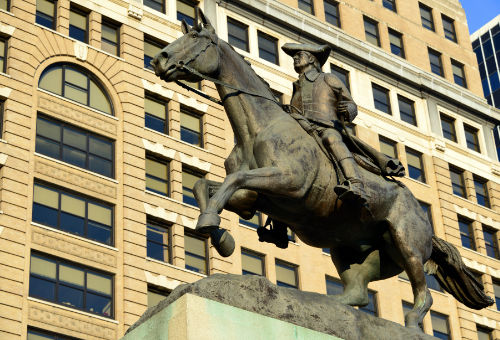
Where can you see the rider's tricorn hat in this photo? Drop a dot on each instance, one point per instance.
(321, 52)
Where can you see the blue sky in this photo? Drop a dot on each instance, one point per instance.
(479, 12)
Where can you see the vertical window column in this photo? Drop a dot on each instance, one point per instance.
(371, 31)
(466, 233)
(268, 47)
(458, 73)
(332, 14)
(196, 253)
(426, 17)
(110, 37)
(46, 13)
(237, 34)
(189, 178)
(436, 63)
(396, 41)
(79, 25)
(3, 54)
(415, 165)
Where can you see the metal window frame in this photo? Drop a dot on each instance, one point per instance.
(393, 5)
(247, 222)
(85, 12)
(261, 257)
(387, 95)
(116, 26)
(79, 196)
(56, 336)
(163, 6)
(310, 4)
(54, 17)
(400, 37)
(274, 41)
(168, 229)
(193, 172)
(346, 74)
(88, 135)
(332, 279)
(447, 19)
(459, 172)
(241, 25)
(439, 55)
(163, 102)
(162, 161)
(337, 16)
(199, 116)
(447, 318)
(470, 231)
(153, 41)
(484, 184)
(462, 68)
(494, 246)
(390, 142)
(420, 156)
(290, 265)
(5, 51)
(198, 236)
(424, 7)
(86, 270)
(412, 105)
(451, 121)
(377, 31)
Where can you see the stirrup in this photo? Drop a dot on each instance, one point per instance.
(347, 191)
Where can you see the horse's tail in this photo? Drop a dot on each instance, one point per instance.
(450, 271)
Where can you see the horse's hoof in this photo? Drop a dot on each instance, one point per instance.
(208, 223)
(223, 242)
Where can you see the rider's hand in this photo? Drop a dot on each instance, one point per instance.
(342, 108)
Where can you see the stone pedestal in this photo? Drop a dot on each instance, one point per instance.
(230, 307)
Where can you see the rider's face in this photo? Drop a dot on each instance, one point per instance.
(301, 59)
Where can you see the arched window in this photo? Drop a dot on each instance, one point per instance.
(75, 83)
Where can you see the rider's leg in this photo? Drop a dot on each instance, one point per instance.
(332, 139)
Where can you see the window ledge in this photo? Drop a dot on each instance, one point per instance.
(74, 236)
(103, 318)
(172, 199)
(416, 181)
(175, 267)
(78, 104)
(77, 168)
(5, 75)
(7, 12)
(3, 141)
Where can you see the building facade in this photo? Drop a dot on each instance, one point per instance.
(99, 156)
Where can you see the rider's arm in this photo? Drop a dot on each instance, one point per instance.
(346, 106)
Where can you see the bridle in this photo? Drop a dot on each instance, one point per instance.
(183, 65)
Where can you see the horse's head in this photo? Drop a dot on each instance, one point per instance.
(196, 49)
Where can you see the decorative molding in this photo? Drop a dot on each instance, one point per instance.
(7, 29)
(71, 112)
(161, 281)
(161, 213)
(188, 222)
(465, 212)
(158, 149)
(59, 320)
(490, 222)
(157, 89)
(194, 162)
(135, 9)
(495, 169)
(78, 179)
(192, 102)
(483, 320)
(5, 92)
(482, 268)
(65, 245)
(81, 50)
(439, 145)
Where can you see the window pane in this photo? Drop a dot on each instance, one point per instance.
(237, 34)
(99, 283)
(466, 234)
(457, 182)
(75, 94)
(45, 7)
(440, 325)
(48, 129)
(52, 81)
(426, 17)
(388, 147)
(75, 139)
(72, 205)
(154, 4)
(371, 32)
(46, 197)
(101, 147)
(415, 168)
(448, 127)
(71, 275)
(154, 298)
(286, 274)
(332, 12)
(195, 246)
(156, 169)
(381, 99)
(155, 108)
(98, 304)
(334, 287)
(191, 122)
(251, 263)
(268, 48)
(43, 267)
(407, 110)
(33, 335)
(99, 214)
(42, 288)
(109, 32)
(4, 5)
(253, 222)
(77, 19)
(185, 11)
(75, 78)
(98, 99)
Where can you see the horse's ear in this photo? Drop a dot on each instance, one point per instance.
(184, 26)
(196, 25)
(206, 23)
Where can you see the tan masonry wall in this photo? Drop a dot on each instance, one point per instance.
(32, 48)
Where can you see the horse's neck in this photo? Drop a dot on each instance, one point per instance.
(248, 114)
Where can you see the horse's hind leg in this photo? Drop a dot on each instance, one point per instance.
(414, 251)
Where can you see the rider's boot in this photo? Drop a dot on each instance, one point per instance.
(353, 189)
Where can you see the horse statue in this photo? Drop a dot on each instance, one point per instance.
(276, 167)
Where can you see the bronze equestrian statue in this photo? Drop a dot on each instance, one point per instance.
(278, 168)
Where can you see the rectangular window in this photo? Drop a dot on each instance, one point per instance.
(110, 37)
(71, 285)
(278, 95)
(388, 147)
(38, 334)
(157, 5)
(157, 175)
(466, 233)
(371, 307)
(491, 242)
(458, 73)
(396, 41)
(254, 222)
(484, 333)
(436, 63)
(75, 146)
(79, 25)
(496, 290)
(151, 48)
(155, 296)
(440, 326)
(158, 241)
(196, 253)
(381, 99)
(155, 114)
(482, 196)
(457, 182)
(415, 165)
(306, 6)
(428, 212)
(389, 4)
(45, 13)
(471, 138)
(237, 34)
(3, 55)
(268, 48)
(286, 274)
(448, 128)
(407, 110)
(185, 11)
(189, 178)
(2, 109)
(191, 127)
(342, 74)
(5, 5)
(426, 17)
(371, 31)
(252, 263)
(334, 286)
(73, 213)
(332, 15)
(449, 28)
